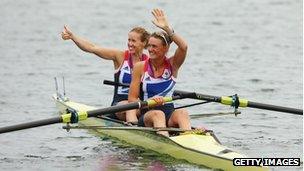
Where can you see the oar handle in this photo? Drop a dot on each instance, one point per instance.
(108, 82)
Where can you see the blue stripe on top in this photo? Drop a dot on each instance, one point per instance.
(124, 73)
(160, 86)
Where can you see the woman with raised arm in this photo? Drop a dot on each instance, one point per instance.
(157, 76)
(123, 60)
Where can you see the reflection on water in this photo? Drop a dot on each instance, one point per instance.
(136, 158)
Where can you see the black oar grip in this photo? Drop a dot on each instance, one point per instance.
(108, 82)
(184, 94)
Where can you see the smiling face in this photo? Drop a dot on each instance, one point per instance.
(135, 45)
(156, 48)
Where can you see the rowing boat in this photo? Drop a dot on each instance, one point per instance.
(197, 147)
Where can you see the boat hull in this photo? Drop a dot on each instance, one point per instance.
(195, 148)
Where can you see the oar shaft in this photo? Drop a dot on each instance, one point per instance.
(193, 95)
(275, 108)
(194, 116)
(117, 108)
(129, 106)
(190, 105)
(31, 124)
(108, 82)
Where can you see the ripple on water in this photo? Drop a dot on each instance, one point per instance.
(255, 80)
(35, 156)
(266, 90)
(91, 73)
(75, 158)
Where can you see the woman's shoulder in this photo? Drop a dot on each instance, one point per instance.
(139, 66)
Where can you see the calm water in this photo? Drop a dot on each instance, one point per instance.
(252, 48)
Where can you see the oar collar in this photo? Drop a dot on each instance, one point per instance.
(235, 102)
(74, 115)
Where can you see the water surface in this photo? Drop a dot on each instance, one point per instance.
(252, 48)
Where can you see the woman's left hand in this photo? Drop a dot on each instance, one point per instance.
(159, 100)
(160, 19)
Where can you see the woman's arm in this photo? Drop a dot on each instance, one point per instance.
(106, 53)
(135, 83)
(131, 115)
(160, 20)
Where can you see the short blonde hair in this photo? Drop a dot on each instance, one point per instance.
(144, 34)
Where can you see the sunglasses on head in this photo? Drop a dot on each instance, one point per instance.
(161, 35)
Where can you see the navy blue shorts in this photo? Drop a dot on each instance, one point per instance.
(168, 109)
(118, 98)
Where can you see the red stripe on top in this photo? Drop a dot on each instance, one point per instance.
(128, 58)
(149, 70)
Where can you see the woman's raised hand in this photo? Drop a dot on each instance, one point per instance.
(160, 19)
(66, 34)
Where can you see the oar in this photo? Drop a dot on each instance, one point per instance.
(236, 102)
(225, 100)
(112, 83)
(82, 115)
(205, 115)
